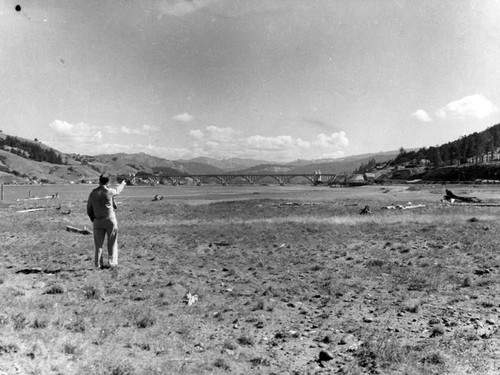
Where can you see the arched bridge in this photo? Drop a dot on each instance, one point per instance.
(225, 179)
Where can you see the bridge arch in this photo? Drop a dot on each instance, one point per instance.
(225, 179)
(252, 179)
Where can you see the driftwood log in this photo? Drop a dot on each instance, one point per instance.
(365, 210)
(449, 196)
(69, 228)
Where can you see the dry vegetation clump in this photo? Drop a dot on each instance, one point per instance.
(311, 287)
(94, 291)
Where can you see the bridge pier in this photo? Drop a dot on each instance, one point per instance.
(252, 179)
(282, 179)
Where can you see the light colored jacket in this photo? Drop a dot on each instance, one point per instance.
(100, 204)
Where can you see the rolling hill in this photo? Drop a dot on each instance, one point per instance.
(228, 165)
(29, 161)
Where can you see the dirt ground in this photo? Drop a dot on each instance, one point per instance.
(254, 280)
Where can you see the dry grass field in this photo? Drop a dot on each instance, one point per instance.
(288, 280)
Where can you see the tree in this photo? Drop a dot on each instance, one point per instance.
(435, 156)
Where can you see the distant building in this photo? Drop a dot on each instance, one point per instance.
(356, 179)
(369, 177)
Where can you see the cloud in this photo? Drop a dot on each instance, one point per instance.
(150, 129)
(110, 129)
(161, 152)
(422, 115)
(334, 140)
(184, 117)
(154, 150)
(61, 126)
(470, 107)
(279, 143)
(145, 129)
(198, 134)
(179, 8)
(217, 134)
(85, 138)
(224, 142)
(227, 142)
(70, 134)
(211, 141)
(126, 130)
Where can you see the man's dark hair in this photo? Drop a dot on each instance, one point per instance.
(103, 180)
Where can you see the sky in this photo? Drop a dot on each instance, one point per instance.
(277, 80)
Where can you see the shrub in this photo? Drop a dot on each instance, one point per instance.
(8, 348)
(412, 306)
(382, 349)
(435, 358)
(93, 292)
(69, 348)
(437, 330)
(260, 305)
(221, 363)
(144, 318)
(19, 321)
(76, 326)
(55, 289)
(120, 369)
(466, 282)
(245, 341)
(40, 323)
(260, 361)
(229, 345)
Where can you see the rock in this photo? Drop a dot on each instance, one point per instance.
(367, 319)
(348, 340)
(484, 333)
(39, 284)
(433, 321)
(293, 333)
(325, 355)
(482, 272)
(437, 330)
(490, 321)
(327, 339)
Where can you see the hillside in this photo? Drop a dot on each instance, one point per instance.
(345, 165)
(151, 164)
(475, 147)
(266, 168)
(228, 165)
(469, 158)
(16, 169)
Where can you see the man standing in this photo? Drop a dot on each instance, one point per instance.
(101, 211)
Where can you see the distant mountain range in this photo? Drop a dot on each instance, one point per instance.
(17, 164)
(227, 165)
(472, 157)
